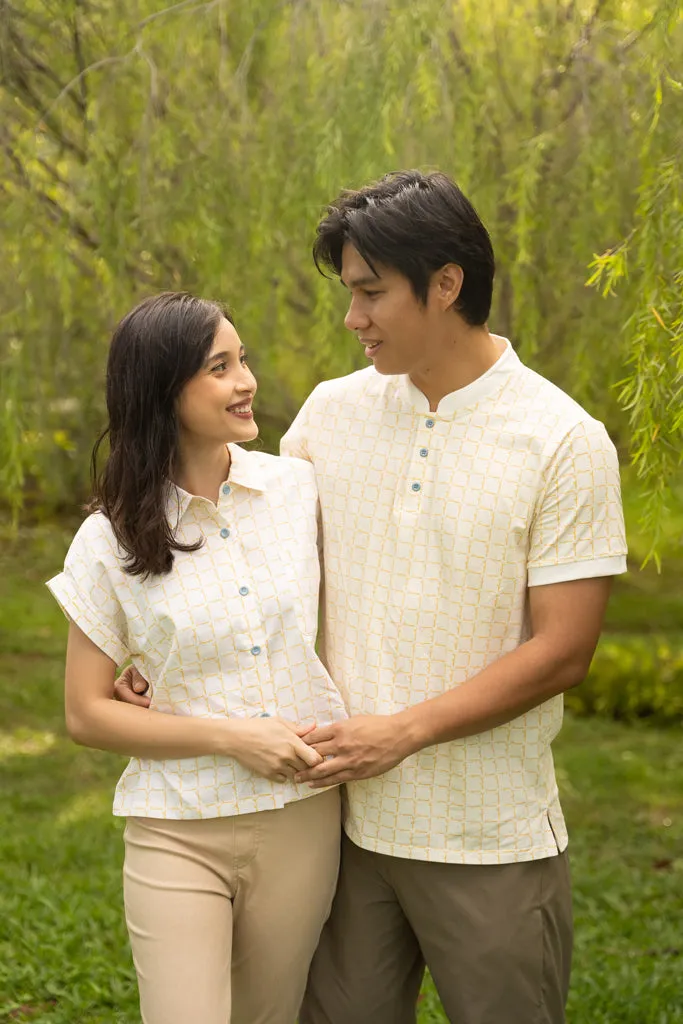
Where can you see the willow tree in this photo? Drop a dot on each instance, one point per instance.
(195, 146)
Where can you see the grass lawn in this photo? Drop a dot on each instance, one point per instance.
(63, 949)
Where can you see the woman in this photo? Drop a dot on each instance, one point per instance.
(199, 562)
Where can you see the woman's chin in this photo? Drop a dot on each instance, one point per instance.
(247, 432)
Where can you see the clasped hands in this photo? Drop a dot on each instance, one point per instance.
(360, 747)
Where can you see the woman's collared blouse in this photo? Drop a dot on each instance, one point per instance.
(229, 632)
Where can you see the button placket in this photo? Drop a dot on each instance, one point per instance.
(223, 508)
(419, 468)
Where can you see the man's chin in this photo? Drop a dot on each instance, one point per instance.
(387, 368)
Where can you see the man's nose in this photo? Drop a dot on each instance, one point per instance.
(356, 319)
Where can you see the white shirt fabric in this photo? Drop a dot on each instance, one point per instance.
(229, 632)
(434, 525)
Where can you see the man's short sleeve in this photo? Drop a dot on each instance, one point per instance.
(295, 442)
(85, 590)
(578, 529)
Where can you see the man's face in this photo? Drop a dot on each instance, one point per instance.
(398, 333)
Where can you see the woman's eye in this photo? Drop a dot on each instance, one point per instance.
(219, 367)
(244, 359)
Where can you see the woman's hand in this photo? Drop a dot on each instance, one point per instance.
(271, 747)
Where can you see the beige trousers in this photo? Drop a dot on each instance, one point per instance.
(497, 939)
(224, 914)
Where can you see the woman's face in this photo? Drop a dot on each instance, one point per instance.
(215, 405)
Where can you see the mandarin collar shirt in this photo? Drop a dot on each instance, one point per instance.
(434, 526)
(229, 632)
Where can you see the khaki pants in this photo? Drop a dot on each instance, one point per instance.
(496, 938)
(224, 914)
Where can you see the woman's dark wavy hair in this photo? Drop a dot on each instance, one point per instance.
(415, 223)
(155, 350)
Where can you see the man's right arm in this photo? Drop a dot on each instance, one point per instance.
(132, 688)
(295, 442)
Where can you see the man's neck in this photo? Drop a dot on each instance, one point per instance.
(457, 362)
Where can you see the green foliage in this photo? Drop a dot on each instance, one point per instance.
(634, 677)
(194, 147)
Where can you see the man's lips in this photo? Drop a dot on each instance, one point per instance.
(370, 344)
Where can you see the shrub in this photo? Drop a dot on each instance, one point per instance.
(633, 677)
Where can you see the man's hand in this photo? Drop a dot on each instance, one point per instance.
(357, 748)
(131, 688)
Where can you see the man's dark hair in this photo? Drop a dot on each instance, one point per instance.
(156, 349)
(414, 223)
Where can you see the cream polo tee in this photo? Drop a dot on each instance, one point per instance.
(434, 525)
(229, 632)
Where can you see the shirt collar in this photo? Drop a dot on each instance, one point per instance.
(246, 470)
(472, 393)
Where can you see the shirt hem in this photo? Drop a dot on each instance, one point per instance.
(257, 805)
(440, 856)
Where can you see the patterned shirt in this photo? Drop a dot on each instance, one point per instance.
(229, 632)
(434, 525)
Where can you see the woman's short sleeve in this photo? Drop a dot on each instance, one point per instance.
(86, 590)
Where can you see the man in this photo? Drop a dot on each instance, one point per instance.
(471, 523)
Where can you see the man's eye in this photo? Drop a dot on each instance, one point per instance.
(371, 294)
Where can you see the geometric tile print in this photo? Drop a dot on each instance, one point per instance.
(434, 524)
(230, 631)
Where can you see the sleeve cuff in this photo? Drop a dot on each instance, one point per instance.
(76, 608)
(541, 575)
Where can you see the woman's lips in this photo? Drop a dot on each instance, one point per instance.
(243, 412)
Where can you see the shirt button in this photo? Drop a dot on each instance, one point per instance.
(429, 423)
(424, 453)
(244, 591)
(225, 532)
(256, 650)
(226, 488)
(416, 487)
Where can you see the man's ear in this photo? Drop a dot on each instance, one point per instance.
(447, 284)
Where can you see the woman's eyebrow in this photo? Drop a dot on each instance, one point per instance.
(216, 355)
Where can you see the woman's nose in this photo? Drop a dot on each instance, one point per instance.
(248, 382)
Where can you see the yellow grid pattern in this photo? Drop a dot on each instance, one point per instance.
(230, 631)
(434, 524)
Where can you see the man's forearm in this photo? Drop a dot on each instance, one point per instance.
(504, 690)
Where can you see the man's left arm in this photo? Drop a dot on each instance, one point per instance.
(577, 544)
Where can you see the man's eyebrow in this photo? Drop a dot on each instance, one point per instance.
(360, 282)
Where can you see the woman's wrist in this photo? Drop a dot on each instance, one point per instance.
(230, 736)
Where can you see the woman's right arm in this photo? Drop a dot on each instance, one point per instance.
(267, 746)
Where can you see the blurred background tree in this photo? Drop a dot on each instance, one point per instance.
(194, 145)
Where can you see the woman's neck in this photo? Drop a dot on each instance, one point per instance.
(201, 469)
